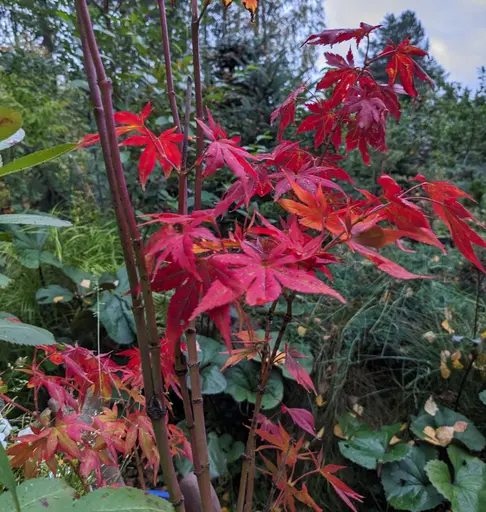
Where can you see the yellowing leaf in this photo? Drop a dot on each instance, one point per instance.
(447, 327)
(57, 299)
(460, 426)
(430, 436)
(431, 407)
(457, 365)
(227, 3)
(320, 401)
(456, 355)
(252, 6)
(429, 336)
(444, 355)
(338, 432)
(358, 409)
(320, 434)
(444, 435)
(301, 330)
(436, 259)
(444, 370)
(395, 440)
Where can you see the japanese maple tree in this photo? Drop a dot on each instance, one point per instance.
(256, 262)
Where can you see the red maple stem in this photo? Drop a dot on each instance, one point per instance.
(199, 101)
(101, 91)
(247, 481)
(202, 470)
(168, 65)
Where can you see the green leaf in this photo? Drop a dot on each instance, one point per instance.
(33, 220)
(10, 122)
(115, 310)
(79, 276)
(4, 281)
(222, 451)
(243, 384)
(351, 425)
(406, 484)
(7, 478)
(482, 396)
(29, 248)
(208, 349)
(444, 417)
(37, 158)
(53, 294)
(368, 448)
(463, 489)
(24, 334)
(40, 495)
(123, 499)
(212, 380)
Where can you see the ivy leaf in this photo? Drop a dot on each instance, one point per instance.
(406, 484)
(39, 495)
(123, 499)
(463, 489)
(53, 294)
(243, 385)
(368, 448)
(471, 436)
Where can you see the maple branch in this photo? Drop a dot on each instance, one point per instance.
(201, 446)
(168, 65)
(15, 404)
(182, 198)
(199, 102)
(280, 471)
(247, 481)
(101, 92)
(203, 10)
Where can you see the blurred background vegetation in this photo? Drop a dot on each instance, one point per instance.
(383, 349)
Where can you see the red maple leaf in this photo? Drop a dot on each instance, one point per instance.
(344, 77)
(324, 120)
(262, 273)
(286, 111)
(224, 151)
(301, 417)
(338, 35)
(309, 179)
(215, 289)
(298, 372)
(163, 148)
(454, 215)
(402, 65)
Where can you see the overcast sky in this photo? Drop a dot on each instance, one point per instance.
(456, 28)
